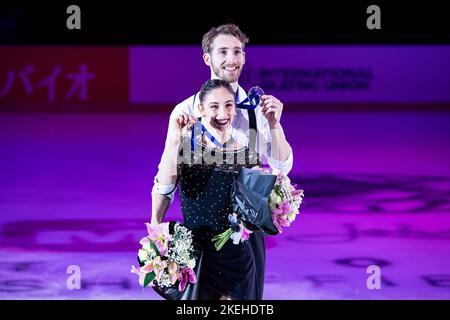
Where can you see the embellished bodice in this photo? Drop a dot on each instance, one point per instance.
(206, 176)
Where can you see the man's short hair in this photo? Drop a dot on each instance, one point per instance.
(230, 29)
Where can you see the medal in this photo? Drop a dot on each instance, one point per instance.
(253, 98)
(254, 95)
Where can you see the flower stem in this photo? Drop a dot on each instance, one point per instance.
(220, 239)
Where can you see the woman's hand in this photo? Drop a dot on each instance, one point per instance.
(155, 220)
(179, 126)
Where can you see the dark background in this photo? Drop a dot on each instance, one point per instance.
(184, 22)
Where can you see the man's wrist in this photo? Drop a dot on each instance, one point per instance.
(276, 125)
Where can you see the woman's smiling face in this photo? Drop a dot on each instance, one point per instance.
(218, 108)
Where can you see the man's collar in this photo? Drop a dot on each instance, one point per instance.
(241, 95)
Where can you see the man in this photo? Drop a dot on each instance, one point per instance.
(259, 128)
(224, 53)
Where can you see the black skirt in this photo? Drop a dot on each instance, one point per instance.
(235, 271)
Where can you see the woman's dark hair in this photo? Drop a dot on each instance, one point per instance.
(214, 84)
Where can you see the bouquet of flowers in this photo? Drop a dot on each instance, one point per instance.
(261, 201)
(167, 257)
(284, 202)
(237, 232)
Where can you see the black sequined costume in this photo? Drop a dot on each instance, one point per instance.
(205, 181)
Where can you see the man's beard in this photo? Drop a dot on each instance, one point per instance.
(220, 73)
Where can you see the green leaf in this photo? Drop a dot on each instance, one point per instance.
(149, 278)
(154, 247)
(278, 192)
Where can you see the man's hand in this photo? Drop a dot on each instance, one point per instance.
(272, 108)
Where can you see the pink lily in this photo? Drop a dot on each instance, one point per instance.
(139, 273)
(157, 265)
(286, 207)
(242, 235)
(159, 234)
(246, 233)
(174, 275)
(280, 220)
(142, 271)
(187, 274)
(296, 193)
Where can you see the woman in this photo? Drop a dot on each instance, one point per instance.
(204, 160)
